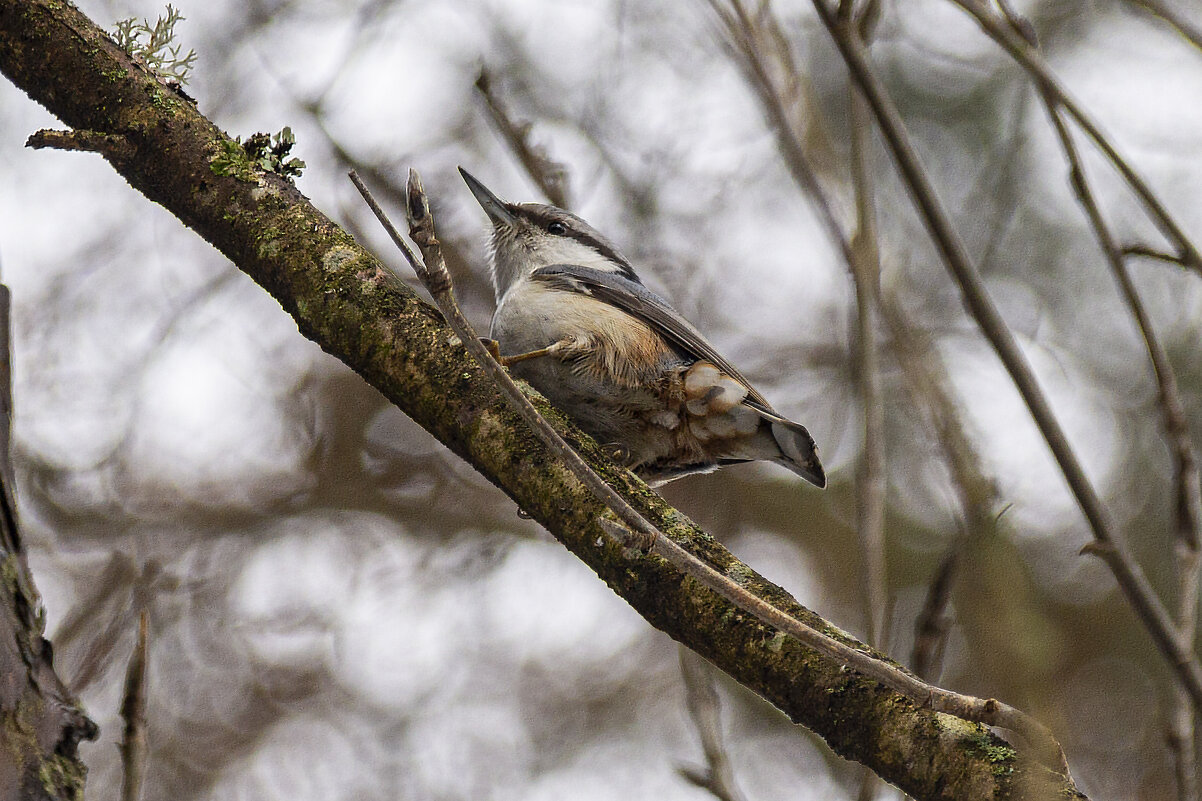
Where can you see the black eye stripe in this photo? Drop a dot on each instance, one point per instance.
(546, 216)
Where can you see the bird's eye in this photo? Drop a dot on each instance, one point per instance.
(557, 228)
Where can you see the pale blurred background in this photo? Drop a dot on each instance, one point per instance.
(340, 609)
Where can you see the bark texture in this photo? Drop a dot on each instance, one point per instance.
(41, 723)
(346, 301)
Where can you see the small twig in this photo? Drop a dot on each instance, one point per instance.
(551, 176)
(1018, 46)
(1190, 32)
(112, 145)
(641, 534)
(1188, 507)
(977, 495)
(866, 275)
(870, 476)
(749, 43)
(860, 254)
(701, 699)
(134, 745)
(10, 532)
(1182, 744)
(1146, 252)
(1109, 544)
(932, 624)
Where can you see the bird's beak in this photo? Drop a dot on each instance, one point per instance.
(493, 206)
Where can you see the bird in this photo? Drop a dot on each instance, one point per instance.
(574, 320)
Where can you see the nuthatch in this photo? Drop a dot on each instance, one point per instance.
(575, 321)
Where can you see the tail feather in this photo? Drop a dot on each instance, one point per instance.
(798, 452)
(777, 440)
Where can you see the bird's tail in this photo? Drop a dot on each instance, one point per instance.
(797, 450)
(778, 440)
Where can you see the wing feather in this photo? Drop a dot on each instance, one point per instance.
(643, 304)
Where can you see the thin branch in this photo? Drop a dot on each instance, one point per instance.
(639, 533)
(746, 40)
(932, 624)
(114, 146)
(134, 746)
(701, 699)
(750, 39)
(1182, 741)
(750, 44)
(870, 476)
(1158, 8)
(866, 276)
(1188, 506)
(551, 176)
(1108, 542)
(976, 493)
(1017, 45)
(1147, 252)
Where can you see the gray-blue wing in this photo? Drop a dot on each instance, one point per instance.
(639, 301)
(796, 447)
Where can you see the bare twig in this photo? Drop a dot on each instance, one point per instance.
(1108, 543)
(1188, 506)
(114, 146)
(871, 476)
(1027, 55)
(1147, 252)
(870, 490)
(759, 44)
(639, 533)
(701, 699)
(751, 43)
(551, 176)
(932, 624)
(134, 746)
(10, 533)
(1182, 744)
(1189, 31)
(976, 494)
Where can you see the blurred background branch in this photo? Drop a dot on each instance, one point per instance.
(1173, 17)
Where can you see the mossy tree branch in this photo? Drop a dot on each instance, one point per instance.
(345, 300)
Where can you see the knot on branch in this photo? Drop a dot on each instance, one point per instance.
(114, 147)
